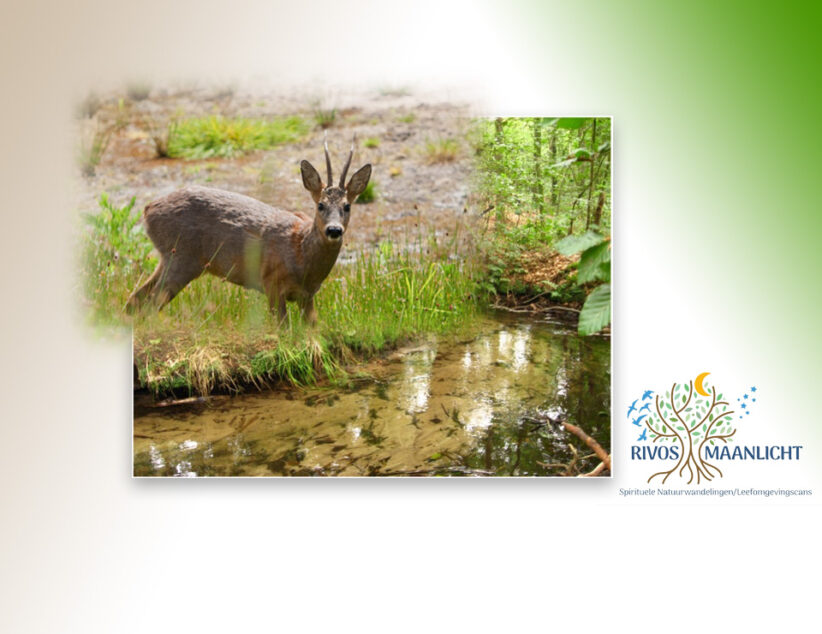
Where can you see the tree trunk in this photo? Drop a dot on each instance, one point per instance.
(554, 189)
(537, 188)
(499, 122)
(598, 212)
(591, 188)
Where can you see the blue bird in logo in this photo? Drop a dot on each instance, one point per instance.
(643, 435)
(645, 408)
(647, 394)
(632, 408)
(638, 421)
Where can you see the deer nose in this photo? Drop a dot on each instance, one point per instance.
(334, 232)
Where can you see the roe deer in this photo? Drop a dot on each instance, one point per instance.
(285, 255)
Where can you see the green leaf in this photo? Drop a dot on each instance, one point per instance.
(575, 244)
(596, 313)
(590, 262)
(582, 154)
(571, 123)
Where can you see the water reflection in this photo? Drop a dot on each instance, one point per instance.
(482, 406)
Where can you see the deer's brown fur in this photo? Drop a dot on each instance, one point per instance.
(285, 255)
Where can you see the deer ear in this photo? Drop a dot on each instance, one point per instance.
(358, 183)
(311, 179)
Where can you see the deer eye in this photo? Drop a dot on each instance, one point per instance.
(320, 206)
(347, 207)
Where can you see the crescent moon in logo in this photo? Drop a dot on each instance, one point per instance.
(698, 384)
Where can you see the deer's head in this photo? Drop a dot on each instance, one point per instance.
(334, 203)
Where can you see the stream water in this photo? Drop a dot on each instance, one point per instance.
(486, 404)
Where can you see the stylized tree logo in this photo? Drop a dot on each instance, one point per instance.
(692, 417)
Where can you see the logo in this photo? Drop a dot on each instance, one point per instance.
(690, 428)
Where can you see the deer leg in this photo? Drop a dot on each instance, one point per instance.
(176, 276)
(138, 297)
(309, 312)
(276, 303)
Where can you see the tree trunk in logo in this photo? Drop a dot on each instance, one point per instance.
(692, 419)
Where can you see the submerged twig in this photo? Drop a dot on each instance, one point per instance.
(593, 444)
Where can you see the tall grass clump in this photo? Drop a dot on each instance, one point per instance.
(442, 151)
(160, 134)
(219, 336)
(116, 252)
(217, 136)
(92, 148)
(325, 117)
(394, 293)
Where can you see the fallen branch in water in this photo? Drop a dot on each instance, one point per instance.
(593, 444)
(594, 472)
(533, 309)
(572, 310)
(513, 310)
(437, 472)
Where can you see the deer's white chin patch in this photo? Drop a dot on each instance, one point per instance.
(334, 240)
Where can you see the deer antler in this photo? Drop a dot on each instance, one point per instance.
(328, 161)
(348, 162)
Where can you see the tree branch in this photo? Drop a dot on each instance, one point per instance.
(662, 418)
(690, 393)
(593, 444)
(721, 437)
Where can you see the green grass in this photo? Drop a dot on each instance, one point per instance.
(216, 335)
(216, 136)
(160, 133)
(371, 142)
(369, 194)
(325, 117)
(442, 150)
(93, 146)
(407, 118)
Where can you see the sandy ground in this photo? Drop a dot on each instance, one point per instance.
(410, 187)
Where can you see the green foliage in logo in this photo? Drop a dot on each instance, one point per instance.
(691, 417)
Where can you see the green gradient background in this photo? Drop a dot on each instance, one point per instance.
(716, 107)
(734, 92)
